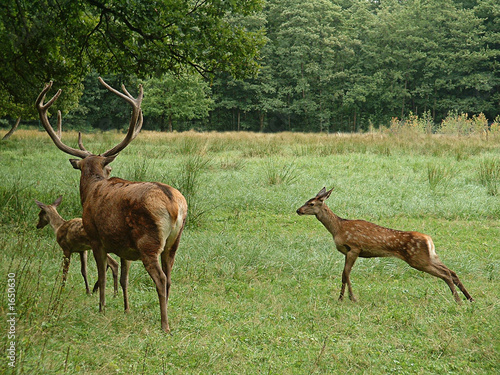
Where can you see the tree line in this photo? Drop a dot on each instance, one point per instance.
(317, 65)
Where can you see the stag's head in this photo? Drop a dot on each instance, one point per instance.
(45, 210)
(88, 162)
(314, 205)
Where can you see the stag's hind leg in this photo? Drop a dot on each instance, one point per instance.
(152, 265)
(167, 261)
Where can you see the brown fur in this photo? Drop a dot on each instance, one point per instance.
(359, 238)
(72, 238)
(134, 220)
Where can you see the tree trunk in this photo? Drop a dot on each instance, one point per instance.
(11, 131)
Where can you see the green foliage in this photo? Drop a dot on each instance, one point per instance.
(65, 40)
(171, 98)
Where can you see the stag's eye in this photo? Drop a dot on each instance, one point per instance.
(310, 204)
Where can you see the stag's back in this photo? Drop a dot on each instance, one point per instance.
(123, 215)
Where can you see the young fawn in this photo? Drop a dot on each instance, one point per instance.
(71, 237)
(359, 238)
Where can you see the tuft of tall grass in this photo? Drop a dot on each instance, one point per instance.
(437, 175)
(187, 182)
(277, 174)
(489, 175)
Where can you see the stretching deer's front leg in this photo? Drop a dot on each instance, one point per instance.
(125, 266)
(350, 258)
(83, 269)
(100, 259)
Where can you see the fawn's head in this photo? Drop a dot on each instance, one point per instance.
(313, 205)
(45, 210)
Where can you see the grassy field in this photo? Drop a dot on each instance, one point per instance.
(255, 286)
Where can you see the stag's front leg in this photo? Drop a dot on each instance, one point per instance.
(100, 259)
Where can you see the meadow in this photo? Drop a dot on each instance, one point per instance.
(255, 286)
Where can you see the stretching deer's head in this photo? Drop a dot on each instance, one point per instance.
(91, 163)
(313, 205)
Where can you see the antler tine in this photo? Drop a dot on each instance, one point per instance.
(59, 124)
(80, 142)
(135, 121)
(56, 137)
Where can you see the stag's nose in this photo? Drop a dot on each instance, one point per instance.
(298, 211)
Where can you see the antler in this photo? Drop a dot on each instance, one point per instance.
(56, 138)
(136, 120)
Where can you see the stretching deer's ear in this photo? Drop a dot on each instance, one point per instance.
(75, 163)
(323, 194)
(327, 195)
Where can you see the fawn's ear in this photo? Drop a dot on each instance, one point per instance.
(39, 204)
(75, 163)
(57, 202)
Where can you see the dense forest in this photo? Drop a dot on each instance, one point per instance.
(323, 65)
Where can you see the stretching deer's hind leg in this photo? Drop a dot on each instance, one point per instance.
(461, 286)
(438, 269)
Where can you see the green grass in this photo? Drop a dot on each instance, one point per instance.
(255, 286)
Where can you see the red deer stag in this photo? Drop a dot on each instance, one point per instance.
(134, 220)
(359, 238)
(72, 238)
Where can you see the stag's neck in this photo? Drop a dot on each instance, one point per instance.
(89, 183)
(331, 221)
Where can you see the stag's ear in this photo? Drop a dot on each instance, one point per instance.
(109, 159)
(76, 163)
(57, 202)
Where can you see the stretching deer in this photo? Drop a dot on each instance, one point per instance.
(134, 220)
(358, 238)
(72, 238)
